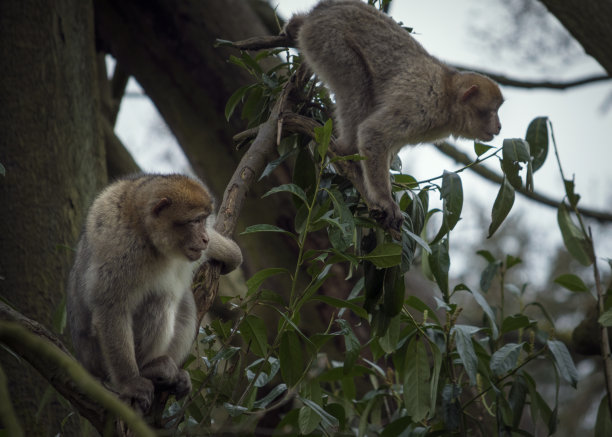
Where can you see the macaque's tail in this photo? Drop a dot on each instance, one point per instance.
(293, 26)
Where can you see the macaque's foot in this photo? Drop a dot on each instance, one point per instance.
(138, 393)
(390, 218)
(165, 375)
(182, 385)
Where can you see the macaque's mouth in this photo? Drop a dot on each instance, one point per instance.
(193, 253)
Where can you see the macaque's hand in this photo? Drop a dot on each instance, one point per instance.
(138, 393)
(390, 217)
(166, 375)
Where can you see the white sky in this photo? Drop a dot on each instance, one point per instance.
(445, 28)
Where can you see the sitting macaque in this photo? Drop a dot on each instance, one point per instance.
(131, 311)
(389, 92)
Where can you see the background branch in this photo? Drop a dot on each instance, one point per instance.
(483, 171)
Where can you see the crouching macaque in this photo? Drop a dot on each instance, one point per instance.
(389, 91)
(130, 307)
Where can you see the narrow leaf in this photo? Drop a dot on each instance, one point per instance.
(571, 282)
(416, 380)
(481, 149)
(289, 188)
(258, 278)
(465, 348)
(502, 206)
(290, 355)
(564, 362)
(574, 239)
(603, 424)
(537, 137)
(266, 228)
(253, 329)
(439, 263)
(385, 255)
(505, 358)
(488, 311)
(606, 318)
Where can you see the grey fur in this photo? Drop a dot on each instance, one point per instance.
(389, 91)
(131, 312)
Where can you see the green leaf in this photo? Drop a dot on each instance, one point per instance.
(574, 239)
(481, 149)
(517, 398)
(505, 359)
(304, 171)
(385, 255)
(253, 105)
(234, 410)
(290, 355)
(516, 150)
(339, 303)
(253, 329)
(323, 137)
(394, 291)
(439, 263)
(289, 188)
(2, 170)
(537, 137)
(273, 394)
(606, 318)
(502, 206)
(266, 228)
(514, 322)
(572, 197)
(234, 99)
(351, 344)
(308, 420)
(465, 348)
(373, 285)
(603, 424)
(329, 422)
(416, 380)
(488, 311)
(488, 274)
(571, 282)
(258, 278)
(451, 194)
(563, 361)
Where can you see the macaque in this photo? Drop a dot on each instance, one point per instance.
(389, 92)
(131, 311)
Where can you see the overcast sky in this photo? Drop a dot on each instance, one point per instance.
(457, 32)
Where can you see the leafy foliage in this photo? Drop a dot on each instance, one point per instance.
(385, 364)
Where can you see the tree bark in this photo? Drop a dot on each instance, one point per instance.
(589, 23)
(52, 151)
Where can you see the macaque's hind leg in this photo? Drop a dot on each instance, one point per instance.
(376, 146)
(166, 375)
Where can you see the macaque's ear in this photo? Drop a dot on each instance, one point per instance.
(471, 91)
(159, 207)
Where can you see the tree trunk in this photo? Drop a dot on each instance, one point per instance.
(589, 23)
(51, 147)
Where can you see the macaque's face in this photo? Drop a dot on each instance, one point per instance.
(481, 102)
(191, 236)
(177, 223)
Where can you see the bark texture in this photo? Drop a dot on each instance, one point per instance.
(50, 145)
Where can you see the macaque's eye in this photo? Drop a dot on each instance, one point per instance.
(483, 113)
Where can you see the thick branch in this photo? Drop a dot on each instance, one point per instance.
(251, 166)
(47, 354)
(464, 159)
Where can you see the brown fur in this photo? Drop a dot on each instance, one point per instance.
(131, 311)
(389, 91)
